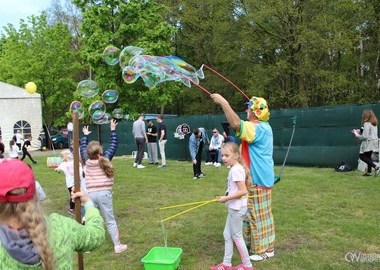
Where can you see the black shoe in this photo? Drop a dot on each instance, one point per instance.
(367, 174)
(34, 162)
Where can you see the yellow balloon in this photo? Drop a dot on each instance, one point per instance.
(31, 87)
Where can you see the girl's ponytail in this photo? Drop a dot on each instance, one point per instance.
(107, 167)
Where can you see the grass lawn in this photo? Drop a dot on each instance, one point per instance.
(320, 216)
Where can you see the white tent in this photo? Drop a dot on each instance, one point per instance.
(19, 110)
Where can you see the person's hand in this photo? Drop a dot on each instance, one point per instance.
(194, 161)
(355, 132)
(218, 99)
(85, 130)
(83, 197)
(222, 199)
(113, 124)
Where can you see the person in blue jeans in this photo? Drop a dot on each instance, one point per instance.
(99, 178)
(196, 142)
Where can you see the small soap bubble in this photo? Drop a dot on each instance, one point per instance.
(111, 55)
(106, 119)
(110, 96)
(76, 106)
(88, 88)
(118, 113)
(97, 110)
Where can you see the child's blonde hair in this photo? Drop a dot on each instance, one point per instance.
(66, 155)
(11, 143)
(30, 215)
(95, 151)
(234, 148)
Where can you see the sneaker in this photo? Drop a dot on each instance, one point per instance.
(202, 175)
(140, 166)
(217, 164)
(260, 257)
(367, 174)
(120, 248)
(71, 212)
(208, 163)
(242, 267)
(196, 177)
(221, 267)
(34, 162)
(377, 171)
(161, 166)
(135, 165)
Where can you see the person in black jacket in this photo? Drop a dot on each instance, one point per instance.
(25, 149)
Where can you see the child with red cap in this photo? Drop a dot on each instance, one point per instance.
(28, 239)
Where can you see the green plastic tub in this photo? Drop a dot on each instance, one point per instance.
(162, 258)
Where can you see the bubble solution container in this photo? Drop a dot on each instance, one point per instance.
(162, 258)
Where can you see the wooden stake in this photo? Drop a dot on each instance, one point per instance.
(77, 178)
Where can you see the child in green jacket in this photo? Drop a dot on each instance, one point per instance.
(28, 239)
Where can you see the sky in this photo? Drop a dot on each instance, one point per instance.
(11, 11)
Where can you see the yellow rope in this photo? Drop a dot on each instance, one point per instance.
(186, 204)
(192, 203)
(200, 203)
(183, 212)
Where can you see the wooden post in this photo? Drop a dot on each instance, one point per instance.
(77, 178)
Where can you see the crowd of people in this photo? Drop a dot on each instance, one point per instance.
(248, 195)
(247, 180)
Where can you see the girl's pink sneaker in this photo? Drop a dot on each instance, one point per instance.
(220, 267)
(242, 267)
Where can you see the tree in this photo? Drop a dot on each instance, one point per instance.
(124, 23)
(207, 33)
(40, 53)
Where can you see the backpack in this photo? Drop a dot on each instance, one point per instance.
(343, 167)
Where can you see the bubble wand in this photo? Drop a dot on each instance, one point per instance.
(227, 80)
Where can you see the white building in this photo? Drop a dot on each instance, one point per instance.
(19, 110)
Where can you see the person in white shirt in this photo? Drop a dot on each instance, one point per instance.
(70, 128)
(18, 138)
(215, 144)
(13, 149)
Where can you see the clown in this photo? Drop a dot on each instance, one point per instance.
(257, 151)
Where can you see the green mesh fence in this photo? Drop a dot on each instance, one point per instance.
(322, 135)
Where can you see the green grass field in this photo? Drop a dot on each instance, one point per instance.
(320, 216)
